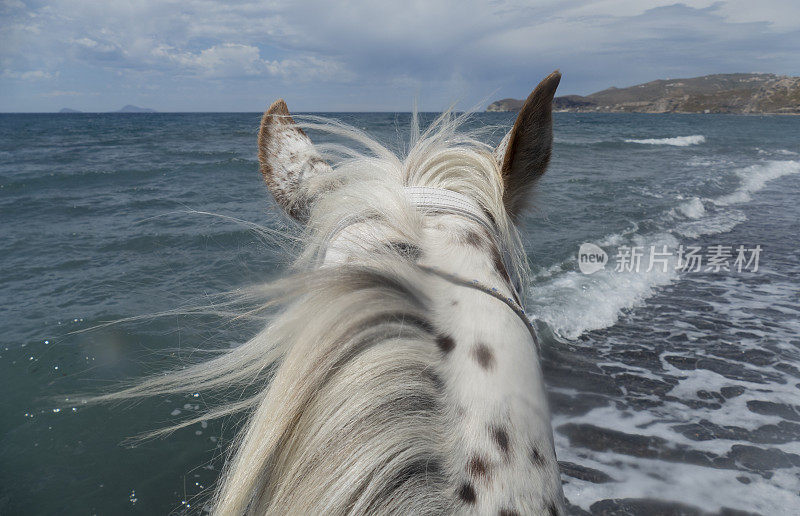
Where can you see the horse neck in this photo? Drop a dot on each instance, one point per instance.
(499, 436)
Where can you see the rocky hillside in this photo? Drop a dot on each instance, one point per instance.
(722, 93)
(505, 105)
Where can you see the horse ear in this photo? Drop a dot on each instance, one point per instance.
(288, 159)
(524, 153)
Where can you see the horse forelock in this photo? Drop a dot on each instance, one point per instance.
(369, 186)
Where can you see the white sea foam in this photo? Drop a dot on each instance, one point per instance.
(638, 477)
(693, 208)
(711, 225)
(754, 177)
(573, 303)
(648, 478)
(782, 152)
(734, 409)
(677, 141)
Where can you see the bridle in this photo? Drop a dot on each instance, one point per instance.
(492, 291)
(450, 202)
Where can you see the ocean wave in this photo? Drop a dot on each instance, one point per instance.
(572, 303)
(693, 208)
(754, 177)
(711, 225)
(688, 482)
(782, 152)
(677, 141)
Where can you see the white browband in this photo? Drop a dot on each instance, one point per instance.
(437, 200)
(427, 199)
(448, 201)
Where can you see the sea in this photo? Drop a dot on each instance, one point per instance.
(665, 287)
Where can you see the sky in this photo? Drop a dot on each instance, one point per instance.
(200, 55)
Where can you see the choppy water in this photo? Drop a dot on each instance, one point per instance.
(679, 386)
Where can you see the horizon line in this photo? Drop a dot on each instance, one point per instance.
(209, 112)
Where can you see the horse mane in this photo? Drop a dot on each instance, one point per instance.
(346, 349)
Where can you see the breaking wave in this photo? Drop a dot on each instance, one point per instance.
(572, 303)
(677, 141)
(753, 179)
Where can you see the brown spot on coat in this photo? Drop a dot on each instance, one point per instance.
(474, 238)
(537, 458)
(478, 467)
(445, 343)
(484, 356)
(467, 493)
(500, 437)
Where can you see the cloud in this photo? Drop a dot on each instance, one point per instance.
(482, 40)
(229, 60)
(30, 75)
(62, 93)
(225, 60)
(364, 51)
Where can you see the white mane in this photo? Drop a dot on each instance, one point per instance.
(357, 400)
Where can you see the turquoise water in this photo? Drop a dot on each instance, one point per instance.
(680, 386)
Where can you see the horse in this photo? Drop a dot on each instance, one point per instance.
(399, 373)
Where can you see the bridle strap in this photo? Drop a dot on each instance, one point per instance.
(492, 291)
(440, 200)
(450, 202)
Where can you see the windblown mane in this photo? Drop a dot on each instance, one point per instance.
(348, 349)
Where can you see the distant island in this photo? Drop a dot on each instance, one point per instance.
(134, 109)
(126, 109)
(721, 93)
